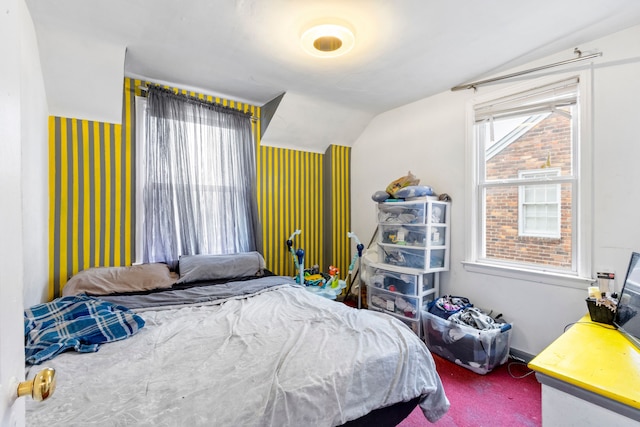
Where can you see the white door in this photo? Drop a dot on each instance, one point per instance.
(11, 273)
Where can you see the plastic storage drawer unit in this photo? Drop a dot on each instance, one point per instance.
(479, 351)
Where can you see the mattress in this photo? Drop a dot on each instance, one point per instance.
(260, 352)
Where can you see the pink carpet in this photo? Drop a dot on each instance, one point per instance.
(493, 400)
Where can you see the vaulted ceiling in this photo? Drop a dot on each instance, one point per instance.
(249, 50)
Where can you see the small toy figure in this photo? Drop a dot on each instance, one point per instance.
(333, 271)
(333, 279)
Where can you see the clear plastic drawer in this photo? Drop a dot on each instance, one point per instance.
(416, 258)
(402, 213)
(403, 234)
(400, 305)
(402, 283)
(437, 213)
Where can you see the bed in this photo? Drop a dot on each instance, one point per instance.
(226, 343)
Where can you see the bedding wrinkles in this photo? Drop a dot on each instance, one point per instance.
(279, 357)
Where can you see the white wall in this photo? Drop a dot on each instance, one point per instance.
(12, 350)
(23, 190)
(35, 170)
(428, 138)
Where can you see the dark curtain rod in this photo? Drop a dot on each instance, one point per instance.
(225, 108)
(474, 85)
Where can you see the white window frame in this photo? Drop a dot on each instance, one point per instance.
(532, 176)
(582, 197)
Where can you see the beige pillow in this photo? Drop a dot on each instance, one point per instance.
(107, 280)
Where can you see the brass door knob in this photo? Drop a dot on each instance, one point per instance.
(42, 386)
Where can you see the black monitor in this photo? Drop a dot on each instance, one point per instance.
(627, 317)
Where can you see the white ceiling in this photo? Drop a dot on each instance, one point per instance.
(249, 50)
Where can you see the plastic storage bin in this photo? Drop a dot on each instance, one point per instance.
(403, 283)
(479, 351)
(391, 302)
(402, 213)
(417, 258)
(405, 234)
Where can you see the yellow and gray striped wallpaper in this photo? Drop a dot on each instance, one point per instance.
(92, 196)
(290, 198)
(91, 185)
(337, 206)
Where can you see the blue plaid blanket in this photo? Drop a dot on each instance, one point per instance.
(79, 322)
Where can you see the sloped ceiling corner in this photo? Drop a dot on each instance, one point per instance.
(309, 124)
(267, 112)
(83, 77)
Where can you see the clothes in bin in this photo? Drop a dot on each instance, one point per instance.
(478, 350)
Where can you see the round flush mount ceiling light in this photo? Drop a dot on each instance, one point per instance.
(327, 40)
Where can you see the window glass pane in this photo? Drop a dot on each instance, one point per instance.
(540, 219)
(530, 221)
(527, 142)
(528, 194)
(503, 241)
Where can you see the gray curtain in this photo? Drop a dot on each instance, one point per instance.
(200, 183)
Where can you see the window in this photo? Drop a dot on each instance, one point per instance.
(529, 186)
(195, 184)
(539, 205)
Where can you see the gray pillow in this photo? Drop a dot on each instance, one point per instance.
(212, 267)
(380, 196)
(107, 280)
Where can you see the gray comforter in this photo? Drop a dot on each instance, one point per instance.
(265, 355)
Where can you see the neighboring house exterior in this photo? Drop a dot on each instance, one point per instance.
(531, 223)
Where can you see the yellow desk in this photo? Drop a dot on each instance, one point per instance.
(595, 364)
